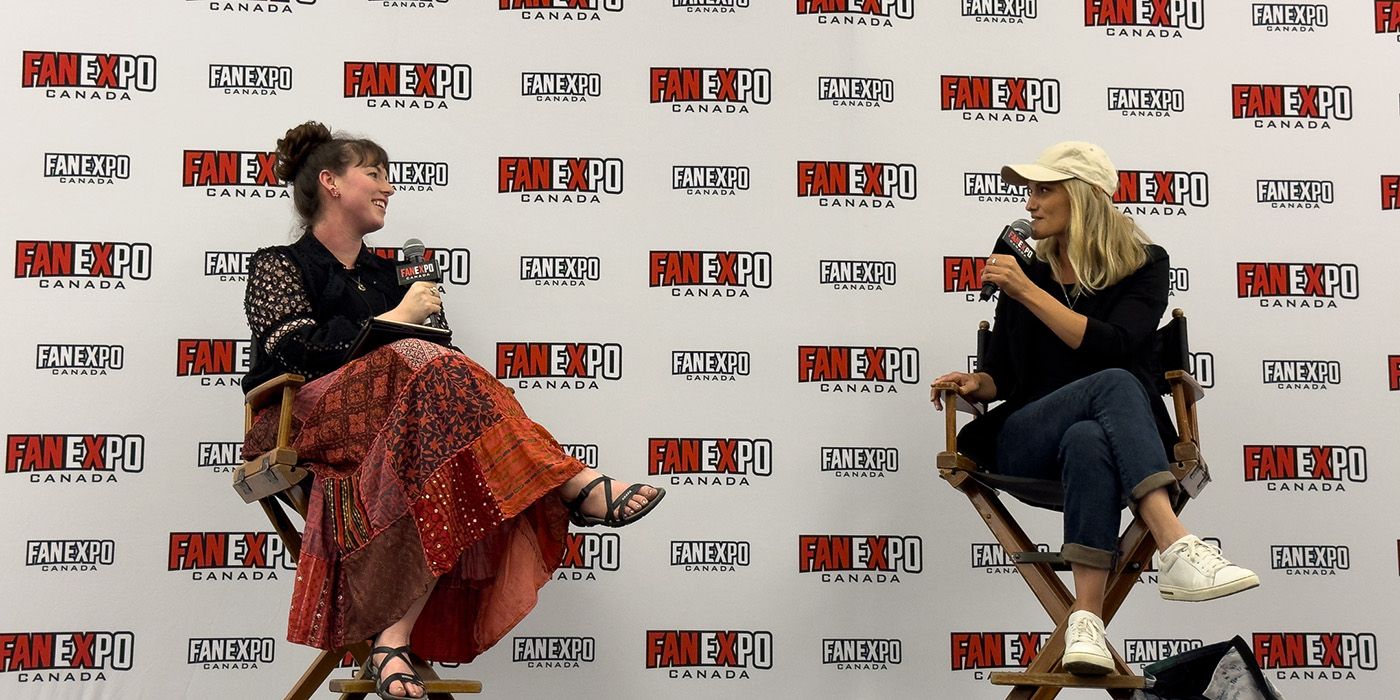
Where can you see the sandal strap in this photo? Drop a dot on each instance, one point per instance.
(402, 653)
(576, 505)
(615, 506)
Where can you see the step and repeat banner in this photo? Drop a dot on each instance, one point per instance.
(721, 246)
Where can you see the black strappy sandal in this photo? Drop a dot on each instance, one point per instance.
(612, 516)
(381, 685)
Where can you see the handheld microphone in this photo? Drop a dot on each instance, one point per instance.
(1014, 240)
(416, 269)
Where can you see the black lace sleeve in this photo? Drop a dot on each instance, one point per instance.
(282, 319)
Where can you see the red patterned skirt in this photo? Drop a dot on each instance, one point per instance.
(425, 468)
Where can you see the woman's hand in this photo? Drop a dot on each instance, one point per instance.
(1005, 272)
(420, 301)
(966, 384)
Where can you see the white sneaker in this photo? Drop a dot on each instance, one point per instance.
(1086, 652)
(1192, 570)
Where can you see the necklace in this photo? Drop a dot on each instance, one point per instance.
(355, 275)
(1069, 301)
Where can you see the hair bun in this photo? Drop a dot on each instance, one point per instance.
(296, 146)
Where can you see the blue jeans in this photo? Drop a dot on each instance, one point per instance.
(1097, 437)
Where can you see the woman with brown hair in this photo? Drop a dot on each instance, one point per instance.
(438, 507)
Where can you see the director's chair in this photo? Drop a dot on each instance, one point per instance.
(275, 478)
(1044, 677)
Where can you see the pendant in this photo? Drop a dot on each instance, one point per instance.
(360, 285)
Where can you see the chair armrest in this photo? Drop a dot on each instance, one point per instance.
(270, 390)
(1178, 378)
(959, 403)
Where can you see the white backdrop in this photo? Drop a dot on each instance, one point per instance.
(145, 600)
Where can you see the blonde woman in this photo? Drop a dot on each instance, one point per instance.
(1071, 361)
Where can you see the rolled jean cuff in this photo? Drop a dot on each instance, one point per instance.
(1088, 556)
(1152, 482)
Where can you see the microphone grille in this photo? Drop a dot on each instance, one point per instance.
(1022, 227)
(413, 249)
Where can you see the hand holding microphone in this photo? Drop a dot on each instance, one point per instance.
(1005, 269)
(424, 296)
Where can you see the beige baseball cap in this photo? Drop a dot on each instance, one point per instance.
(1062, 161)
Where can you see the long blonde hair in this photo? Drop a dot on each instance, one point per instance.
(1105, 245)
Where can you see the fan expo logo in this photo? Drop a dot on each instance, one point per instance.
(561, 87)
(962, 274)
(233, 79)
(237, 174)
(79, 360)
(862, 654)
(1388, 17)
(987, 98)
(855, 92)
(1161, 192)
(1390, 192)
(228, 556)
(860, 558)
(857, 275)
(855, 183)
(1178, 280)
(87, 76)
(1141, 652)
(709, 555)
(1289, 16)
(558, 365)
(1145, 18)
(1290, 106)
(588, 553)
(561, 10)
(65, 657)
(711, 654)
(710, 90)
(992, 558)
(726, 461)
(710, 273)
(269, 6)
(560, 270)
(230, 652)
(1332, 656)
(219, 457)
(583, 452)
(216, 361)
(1307, 468)
(711, 6)
(861, 369)
(87, 168)
(1310, 559)
(407, 85)
(1001, 11)
(864, 13)
(559, 180)
(454, 264)
(984, 652)
(1297, 285)
(82, 458)
(1302, 374)
(989, 187)
(553, 652)
(1146, 102)
(710, 365)
(82, 264)
(859, 462)
(227, 265)
(69, 555)
(1295, 194)
(710, 180)
(1203, 368)
(1393, 364)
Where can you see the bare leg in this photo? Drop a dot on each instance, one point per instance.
(1156, 511)
(595, 505)
(1089, 585)
(396, 635)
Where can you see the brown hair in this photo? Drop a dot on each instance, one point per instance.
(307, 149)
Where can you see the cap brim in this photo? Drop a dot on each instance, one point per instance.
(1031, 172)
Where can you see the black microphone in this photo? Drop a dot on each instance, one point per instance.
(416, 269)
(1014, 240)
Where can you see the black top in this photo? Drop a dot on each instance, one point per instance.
(1027, 360)
(305, 308)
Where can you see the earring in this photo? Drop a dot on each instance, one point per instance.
(335, 194)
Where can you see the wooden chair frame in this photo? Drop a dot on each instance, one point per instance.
(275, 478)
(1044, 677)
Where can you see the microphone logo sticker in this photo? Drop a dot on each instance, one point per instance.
(68, 459)
(856, 184)
(87, 76)
(690, 90)
(1290, 106)
(237, 174)
(999, 99)
(859, 13)
(1149, 18)
(1305, 468)
(857, 275)
(407, 85)
(863, 369)
(234, 79)
(454, 265)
